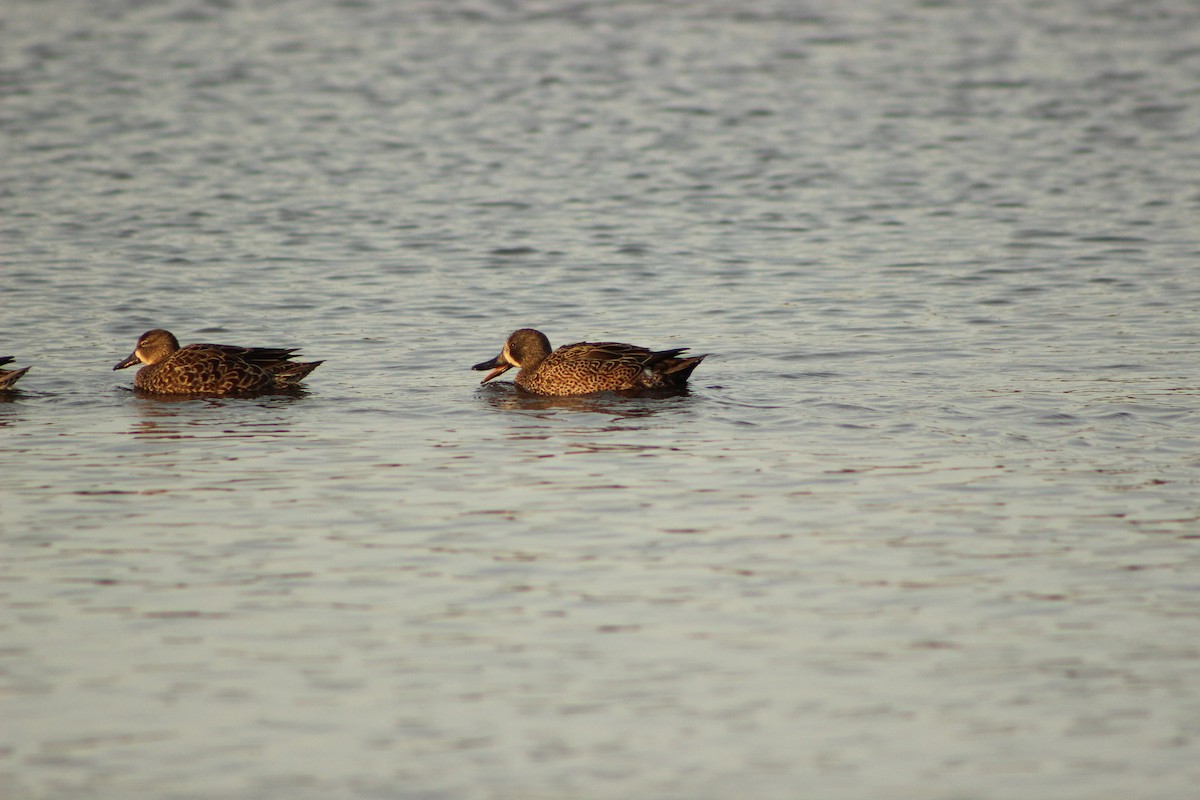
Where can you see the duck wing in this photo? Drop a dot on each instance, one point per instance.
(259, 356)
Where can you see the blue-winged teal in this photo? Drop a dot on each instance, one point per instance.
(212, 369)
(9, 376)
(586, 367)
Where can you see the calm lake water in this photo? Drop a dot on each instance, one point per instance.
(926, 526)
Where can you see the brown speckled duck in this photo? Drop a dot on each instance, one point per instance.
(213, 369)
(9, 376)
(586, 367)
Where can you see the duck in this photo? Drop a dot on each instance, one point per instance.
(9, 376)
(588, 367)
(213, 369)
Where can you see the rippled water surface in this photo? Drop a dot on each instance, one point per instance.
(926, 526)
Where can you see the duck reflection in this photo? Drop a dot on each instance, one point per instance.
(190, 417)
(212, 400)
(640, 403)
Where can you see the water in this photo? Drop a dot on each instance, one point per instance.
(926, 525)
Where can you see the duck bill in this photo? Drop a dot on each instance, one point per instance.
(129, 362)
(497, 365)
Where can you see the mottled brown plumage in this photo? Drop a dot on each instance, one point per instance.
(9, 376)
(213, 369)
(587, 367)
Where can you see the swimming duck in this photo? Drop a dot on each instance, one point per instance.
(586, 367)
(212, 369)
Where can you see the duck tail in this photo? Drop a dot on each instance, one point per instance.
(9, 378)
(289, 374)
(678, 370)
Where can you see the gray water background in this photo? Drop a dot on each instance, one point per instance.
(927, 525)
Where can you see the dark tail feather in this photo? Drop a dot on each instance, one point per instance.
(664, 355)
(679, 371)
(266, 357)
(289, 374)
(9, 378)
